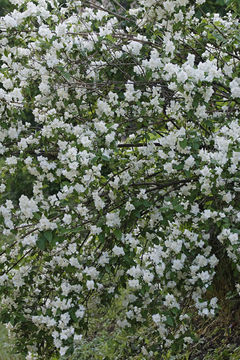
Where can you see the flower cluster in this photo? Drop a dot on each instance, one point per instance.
(120, 140)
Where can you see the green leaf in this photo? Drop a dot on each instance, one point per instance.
(183, 143)
(123, 213)
(63, 72)
(179, 208)
(73, 315)
(118, 234)
(101, 237)
(175, 311)
(105, 158)
(170, 321)
(195, 145)
(48, 235)
(41, 242)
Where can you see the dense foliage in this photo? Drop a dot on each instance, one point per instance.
(120, 147)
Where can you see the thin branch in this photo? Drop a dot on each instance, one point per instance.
(128, 145)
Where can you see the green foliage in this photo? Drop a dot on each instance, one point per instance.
(233, 5)
(215, 6)
(219, 6)
(5, 7)
(6, 346)
(104, 341)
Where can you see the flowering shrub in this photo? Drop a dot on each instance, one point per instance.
(124, 124)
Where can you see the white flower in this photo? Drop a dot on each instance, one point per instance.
(118, 250)
(7, 84)
(177, 264)
(233, 237)
(30, 240)
(95, 230)
(188, 340)
(44, 88)
(205, 171)
(104, 259)
(90, 284)
(134, 283)
(213, 302)
(92, 271)
(169, 6)
(45, 224)
(101, 127)
(10, 21)
(129, 206)
(133, 46)
(170, 301)
(77, 338)
(204, 276)
(113, 219)
(67, 219)
(189, 162)
(123, 323)
(86, 141)
(205, 311)
(135, 271)
(3, 278)
(156, 318)
(99, 203)
(65, 318)
(104, 108)
(110, 138)
(28, 207)
(12, 133)
(227, 197)
(182, 76)
(30, 355)
(2, 188)
(80, 312)
(182, 2)
(148, 276)
(168, 168)
(44, 31)
(235, 88)
(63, 350)
(169, 47)
(213, 261)
(61, 29)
